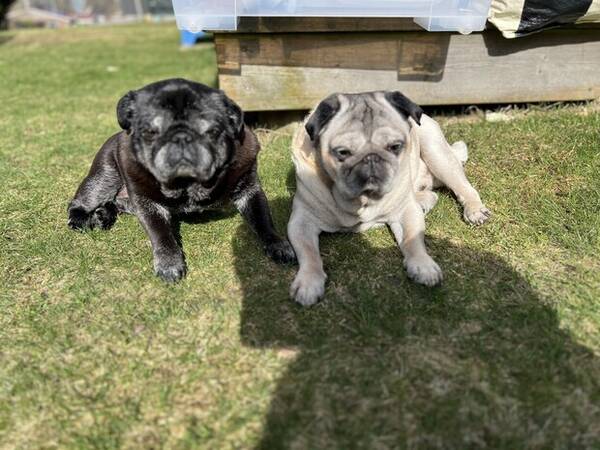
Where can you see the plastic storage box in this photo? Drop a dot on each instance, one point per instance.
(463, 16)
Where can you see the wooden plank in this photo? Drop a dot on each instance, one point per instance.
(324, 24)
(412, 54)
(478, 68)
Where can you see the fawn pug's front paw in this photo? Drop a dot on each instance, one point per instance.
(308, 287)
(423, 270)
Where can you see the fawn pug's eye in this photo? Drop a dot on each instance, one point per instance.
(341, 153)
(395, 147)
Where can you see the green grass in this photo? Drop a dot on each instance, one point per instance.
(95, 352)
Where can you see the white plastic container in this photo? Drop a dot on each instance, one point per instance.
(463, 16)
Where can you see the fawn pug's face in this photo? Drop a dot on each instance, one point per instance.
(361, 140)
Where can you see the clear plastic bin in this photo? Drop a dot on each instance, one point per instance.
(463, 16)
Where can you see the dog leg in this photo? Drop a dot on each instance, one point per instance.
(444, 162)
(251, 202)
(93, 205)
(409, 234)
(169, 260)
(309, 284)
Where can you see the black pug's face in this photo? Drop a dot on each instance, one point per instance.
(181, 131)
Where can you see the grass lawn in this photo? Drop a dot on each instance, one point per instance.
(96, 352)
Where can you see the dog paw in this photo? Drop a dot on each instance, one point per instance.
(103, 217)
(308, 287)
(427, 200)
(476, 215)
(424, 271)
(281, 252)
(78, 218)
(170, 268)
(461, 151)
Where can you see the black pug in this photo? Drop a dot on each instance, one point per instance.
(184, 148)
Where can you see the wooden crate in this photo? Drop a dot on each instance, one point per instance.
(290, 64)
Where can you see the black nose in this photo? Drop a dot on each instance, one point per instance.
(181, 137)
(369, 167)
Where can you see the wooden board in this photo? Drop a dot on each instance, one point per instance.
(283, 71)
(409, 53)
(324, 24)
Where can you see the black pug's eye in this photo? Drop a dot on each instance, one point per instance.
(341, 153)
(395, 147)
(213, 133)
(149, 134)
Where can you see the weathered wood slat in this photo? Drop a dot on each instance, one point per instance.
(294, 71)
(408, 52)
(324, 24)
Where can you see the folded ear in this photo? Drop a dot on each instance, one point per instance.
(126, 110)
(321, 116)
(404, 105)
(236, 117)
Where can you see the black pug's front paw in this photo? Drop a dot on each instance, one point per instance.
(103, 217)
(170, 268)
(281, 252)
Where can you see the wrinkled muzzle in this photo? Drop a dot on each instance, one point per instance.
(185, 156)
(371, 176)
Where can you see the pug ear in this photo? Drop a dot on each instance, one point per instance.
(234, 114)
(404, 105)
(321, 116)
(236, 117)
(126, 110)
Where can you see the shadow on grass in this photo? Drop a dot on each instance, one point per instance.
(478, 362)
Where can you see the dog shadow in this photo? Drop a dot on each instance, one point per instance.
(385, 363)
